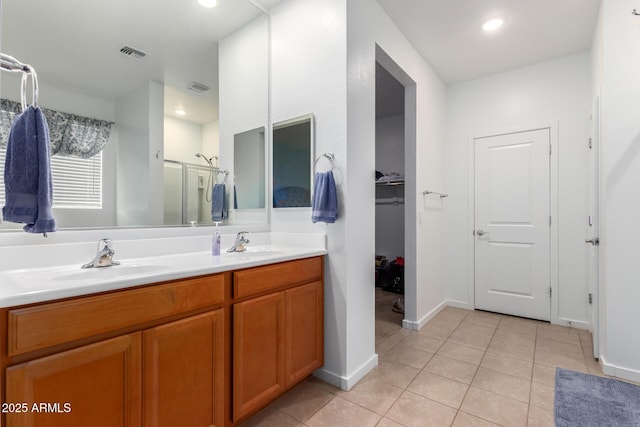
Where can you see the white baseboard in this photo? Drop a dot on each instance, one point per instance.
(460, 304)
(578, 324)
(347, 383)
(420, 323)
(619, 371)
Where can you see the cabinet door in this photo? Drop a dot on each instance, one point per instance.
(304, 331)
(258, 352)
(183, 369)
(94, 385)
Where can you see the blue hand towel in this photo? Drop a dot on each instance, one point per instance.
(325, 199)
(218, 203)
(27, 173)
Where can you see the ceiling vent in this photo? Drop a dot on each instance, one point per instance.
(132, 53)
(197, 87)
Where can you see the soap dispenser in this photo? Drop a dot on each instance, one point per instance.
(215, 243)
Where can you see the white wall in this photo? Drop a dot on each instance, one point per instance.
(244, 82)
(139, 171)
(312, 80)
(619, 37)
(553, 93)
(182, 140)
(308, 76)
(373, 37)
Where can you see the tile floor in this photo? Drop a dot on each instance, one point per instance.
(463, 368)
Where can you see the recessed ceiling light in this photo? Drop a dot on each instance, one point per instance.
(208, 3)
(180, 112)
(492, 24)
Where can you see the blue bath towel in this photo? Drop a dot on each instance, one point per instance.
(27, 173)
(325, 199)
(218, 202)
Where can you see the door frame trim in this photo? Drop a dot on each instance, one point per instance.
(553, 126)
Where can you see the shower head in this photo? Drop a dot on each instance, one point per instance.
(208, 160)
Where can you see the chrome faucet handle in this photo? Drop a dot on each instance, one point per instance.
(241, 241)
(104, 256)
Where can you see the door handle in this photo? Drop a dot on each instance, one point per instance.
(595, 241)
(480, 232)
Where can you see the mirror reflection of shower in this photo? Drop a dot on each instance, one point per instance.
(211, 170)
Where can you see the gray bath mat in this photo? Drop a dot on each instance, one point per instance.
(584, 400)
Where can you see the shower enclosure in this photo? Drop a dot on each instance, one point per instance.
(185, 193)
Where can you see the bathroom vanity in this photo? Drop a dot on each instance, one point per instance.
(209, 350)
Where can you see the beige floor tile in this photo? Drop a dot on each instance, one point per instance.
(515, 338)
(444, 323)
(392, 373)
(466, 420)
(539, 417)
(593, 366)
(384, 346)
(499, 345)
(553, 346)
(483, 318)
(384, 329)
(435, 331)
(376, 395)
(473, 329)
(270, 417)
(502, 384)
(477, 341)
(303, 401)
(441, 389)
(544, 374)
(507, 365)
(586, 339)
(386, 422)
(407, 356)
(559, 335)
(542, 396)
(454, 313)
(495, 408)
(559, 360)
(461, 352)
(341, 412)
(412, 410)
(423, 342)
(450, 368)
(521, 326)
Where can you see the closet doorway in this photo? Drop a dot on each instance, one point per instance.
(390, 203)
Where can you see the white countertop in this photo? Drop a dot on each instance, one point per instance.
(31, 285)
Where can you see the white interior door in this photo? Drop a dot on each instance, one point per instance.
(593, 230)
(512, 224)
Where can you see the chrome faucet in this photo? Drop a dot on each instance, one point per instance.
(104, 257)
(241, 242)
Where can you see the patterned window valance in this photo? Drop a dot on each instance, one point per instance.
(70, 135)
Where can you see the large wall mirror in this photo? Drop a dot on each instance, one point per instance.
(293, 162)
(174, 82)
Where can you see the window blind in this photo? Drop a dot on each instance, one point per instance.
(77, 182)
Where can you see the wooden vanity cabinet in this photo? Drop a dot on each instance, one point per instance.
(154, 357)
(278, 334)
(207, 351)
(94, 385)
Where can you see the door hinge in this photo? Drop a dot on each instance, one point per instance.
(590, 298)
(549, 149)
(549, 220)
(550, 291)
(590, 143)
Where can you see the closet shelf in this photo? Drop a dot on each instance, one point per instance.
(392, 183)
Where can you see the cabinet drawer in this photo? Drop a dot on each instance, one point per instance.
(46, 325)
(257, 280)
